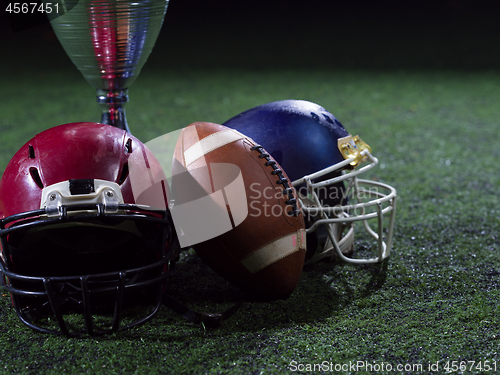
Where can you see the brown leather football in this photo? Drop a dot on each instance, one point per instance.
(237, 207)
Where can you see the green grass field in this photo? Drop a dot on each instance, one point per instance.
(436, 300)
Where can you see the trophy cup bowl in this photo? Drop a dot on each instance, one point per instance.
(109, 41)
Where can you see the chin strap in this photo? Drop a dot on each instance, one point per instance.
(212, 320)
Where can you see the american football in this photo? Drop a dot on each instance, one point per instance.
(262, 247)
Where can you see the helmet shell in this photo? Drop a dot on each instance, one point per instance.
(81, 150)
(301, 135)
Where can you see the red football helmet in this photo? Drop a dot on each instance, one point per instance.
(84, 228)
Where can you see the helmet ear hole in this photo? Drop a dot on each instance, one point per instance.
(128, 146)
(36, 177)
(124, 174)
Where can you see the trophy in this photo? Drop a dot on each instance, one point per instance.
(109, 41)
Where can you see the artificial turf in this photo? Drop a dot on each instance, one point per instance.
(435, 301)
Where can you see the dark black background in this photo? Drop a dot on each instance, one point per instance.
(281, 11)
(426, 34)
(456, 34)
(326, 10)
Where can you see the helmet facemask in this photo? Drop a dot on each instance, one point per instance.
(334, 199)
(92, 264)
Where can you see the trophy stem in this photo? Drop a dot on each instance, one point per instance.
(112, 105)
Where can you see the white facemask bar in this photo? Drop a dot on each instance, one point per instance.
(383, 203)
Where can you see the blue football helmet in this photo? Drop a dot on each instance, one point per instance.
(323, 160)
